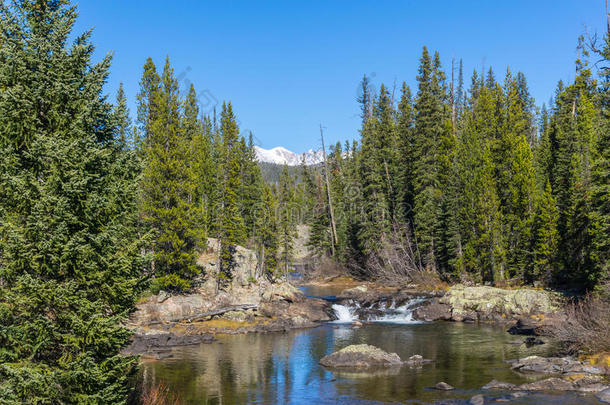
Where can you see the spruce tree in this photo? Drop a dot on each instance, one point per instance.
(600, 183)
(232, 228)
(430, 125)
(69, 251)
(406, 193)
(286, 224)
(545, 238)
(252, 188)
(268, 233)
(149, 84)
(168, 188)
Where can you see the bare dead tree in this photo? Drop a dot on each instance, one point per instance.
(330, 202)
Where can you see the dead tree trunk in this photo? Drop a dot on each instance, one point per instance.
(330, 202)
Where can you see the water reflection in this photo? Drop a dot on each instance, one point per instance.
(283, 368)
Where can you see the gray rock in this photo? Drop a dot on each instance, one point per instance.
(604, 396)
(490, 303)
(162, 296)
(443, 386)
(477, 400)
(549, 384)
(533, 341)
(499, 385)
(433, 311)
(417, 361)
(361, 356)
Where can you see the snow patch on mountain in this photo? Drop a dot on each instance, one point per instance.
(280, 156)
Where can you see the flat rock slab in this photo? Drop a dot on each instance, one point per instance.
(361, 356)
(553, 365)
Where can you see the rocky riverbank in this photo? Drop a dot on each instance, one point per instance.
(525, 311)
(250, 303)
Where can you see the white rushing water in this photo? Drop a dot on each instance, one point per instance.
(344, 313)
(392, 314)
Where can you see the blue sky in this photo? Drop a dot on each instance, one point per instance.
(289, 66)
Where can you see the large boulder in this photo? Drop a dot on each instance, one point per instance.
(490, 303)
(432, 310)
(282, 291)
(311, 310)
(361, 356)
(243, 273)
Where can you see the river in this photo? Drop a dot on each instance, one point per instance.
(282, 368)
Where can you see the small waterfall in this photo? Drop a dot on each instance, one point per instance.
(401, 314)
(391, 314)
(344, 313)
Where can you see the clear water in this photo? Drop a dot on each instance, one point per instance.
(282, 368)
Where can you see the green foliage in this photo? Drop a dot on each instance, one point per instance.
(232, 227)
(546, 237)
(168, 184)
(286, 220)
(69, 250)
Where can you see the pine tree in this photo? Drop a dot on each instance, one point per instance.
(69, 251)
(406, 150)
(252, 188)
(515, 173)
(481, 247)
(267, 232)
(286, 224)
(376, 170)
(232, 228)
(430, 126)
(572, 140)
(121, 117)
(600, 182)
(545, 238)
(149, 84)
(168, 188)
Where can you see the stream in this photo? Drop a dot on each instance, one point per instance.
(282, 368)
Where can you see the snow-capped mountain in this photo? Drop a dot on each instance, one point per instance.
(280, 156)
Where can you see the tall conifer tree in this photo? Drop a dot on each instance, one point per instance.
(69, 251)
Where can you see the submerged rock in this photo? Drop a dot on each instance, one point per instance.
(549, 384)
(553, 365)
(443, 386)
(361, 356)
(498, 385)
(477, 400)
(417, 361)
(604, 396)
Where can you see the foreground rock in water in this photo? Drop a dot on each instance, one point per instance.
(553, 365)
(604, 396)
(443, 386)
(568, 375)
(576, 382)
(361, 356)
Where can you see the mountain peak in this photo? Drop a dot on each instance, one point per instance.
(280, 155)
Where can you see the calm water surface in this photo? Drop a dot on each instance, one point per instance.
(282, 368)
